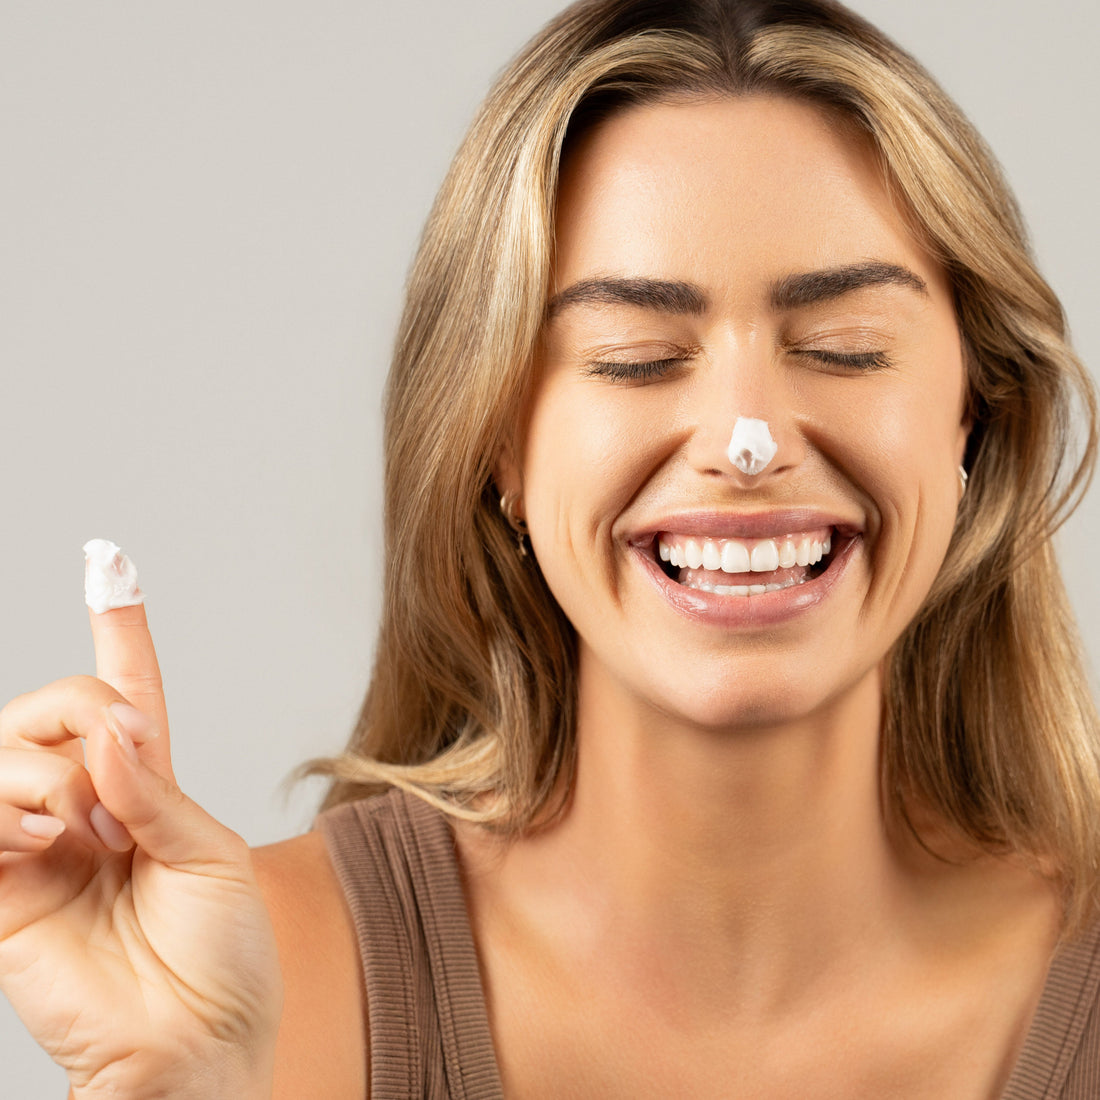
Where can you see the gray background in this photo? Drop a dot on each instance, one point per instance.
(207, 209)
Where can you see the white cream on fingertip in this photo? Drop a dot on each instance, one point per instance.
(110, 579)
(751, 445)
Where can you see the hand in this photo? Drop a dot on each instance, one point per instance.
(134, 944)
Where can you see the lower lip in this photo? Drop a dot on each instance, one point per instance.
(766, 609)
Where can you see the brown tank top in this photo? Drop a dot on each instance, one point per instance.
(429, 1030)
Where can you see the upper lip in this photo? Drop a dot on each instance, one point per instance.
(719, 524)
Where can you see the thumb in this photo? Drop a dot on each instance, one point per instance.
(161, 819)
(124, 654)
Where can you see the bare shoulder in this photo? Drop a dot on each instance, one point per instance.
(322, 1039)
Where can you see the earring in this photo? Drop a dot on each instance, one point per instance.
(518, 524)
(964, 477)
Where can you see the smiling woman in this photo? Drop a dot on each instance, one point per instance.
(769, 726)
(725, 683)
(649, 397)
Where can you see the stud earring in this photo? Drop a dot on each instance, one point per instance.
(518, 524)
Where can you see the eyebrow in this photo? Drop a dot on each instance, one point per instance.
(811, 287)
(790, 292)
(661, 295)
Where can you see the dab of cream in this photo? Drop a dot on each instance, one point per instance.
(110, 579)
(751, 445)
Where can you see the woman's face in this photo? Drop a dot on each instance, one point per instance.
(724, 259)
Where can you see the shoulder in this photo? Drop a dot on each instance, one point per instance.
(322, 1039)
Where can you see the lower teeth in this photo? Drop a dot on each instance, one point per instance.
(744, 589)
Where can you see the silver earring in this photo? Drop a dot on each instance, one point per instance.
(964, 477)
(508, 502)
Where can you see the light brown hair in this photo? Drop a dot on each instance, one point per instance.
(990, 722)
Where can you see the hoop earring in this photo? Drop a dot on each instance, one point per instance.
(964, 477)
(518, 524)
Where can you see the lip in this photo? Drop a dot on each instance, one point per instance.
(768, 608)
(715, 524)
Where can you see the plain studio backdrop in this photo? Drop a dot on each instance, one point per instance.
(208, 211)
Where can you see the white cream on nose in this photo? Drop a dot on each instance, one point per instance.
(110, 579)
(751, 445)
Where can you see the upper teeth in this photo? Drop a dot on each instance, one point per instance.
(744, 555)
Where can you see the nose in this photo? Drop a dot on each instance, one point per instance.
(751, 445)
(745, 424)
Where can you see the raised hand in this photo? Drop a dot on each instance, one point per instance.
(134, 942)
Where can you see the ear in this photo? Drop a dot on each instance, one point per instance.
(966, 415)
(962, 437)
(507, 476)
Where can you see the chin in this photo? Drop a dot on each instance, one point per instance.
(749, 702)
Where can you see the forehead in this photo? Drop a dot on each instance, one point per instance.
(727, 193)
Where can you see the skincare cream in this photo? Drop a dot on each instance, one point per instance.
(110, 579)
(751, 445)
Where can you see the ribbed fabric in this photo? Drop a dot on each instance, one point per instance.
(429, 1030)
(428, 1027)
(1060, 1059)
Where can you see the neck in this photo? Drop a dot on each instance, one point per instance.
(771, 840)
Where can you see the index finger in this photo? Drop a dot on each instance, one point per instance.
(124, 654)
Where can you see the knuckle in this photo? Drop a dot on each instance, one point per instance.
(168, 801)
(145, 683)
(69, 779)
(82, 682)
(33, 707)
(78, 685)
(77, 689)
(11, 717)
(7, 721)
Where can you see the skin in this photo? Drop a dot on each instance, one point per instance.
(136, 946)
(725, 876)
(725, 908)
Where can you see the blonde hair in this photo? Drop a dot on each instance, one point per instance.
(990, 722)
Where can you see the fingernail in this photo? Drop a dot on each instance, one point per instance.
(109, 829)
(42, 826)
(129, 727)
(120, 734)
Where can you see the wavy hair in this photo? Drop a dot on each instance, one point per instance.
(989, 718)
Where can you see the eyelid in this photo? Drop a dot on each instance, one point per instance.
(855, 360)
(637, 371)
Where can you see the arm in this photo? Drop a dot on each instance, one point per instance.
(322, 1043)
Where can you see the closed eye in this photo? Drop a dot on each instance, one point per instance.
(632, 372)
(855, 360)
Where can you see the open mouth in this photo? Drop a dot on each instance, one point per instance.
(746, 567)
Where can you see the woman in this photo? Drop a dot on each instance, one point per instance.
(717, 297)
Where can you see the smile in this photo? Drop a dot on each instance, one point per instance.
(744, 567)
(747, 570)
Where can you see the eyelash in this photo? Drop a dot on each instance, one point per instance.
(856, 360)
(657, 368)
(632, 372)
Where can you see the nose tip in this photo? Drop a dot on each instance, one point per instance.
(751, 446)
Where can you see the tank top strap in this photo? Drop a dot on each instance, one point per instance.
(429, 1037)
(1060, 1059)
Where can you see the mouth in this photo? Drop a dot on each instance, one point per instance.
(747, 568)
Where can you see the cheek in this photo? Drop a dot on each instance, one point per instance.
(907, 469)
(585, 455)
